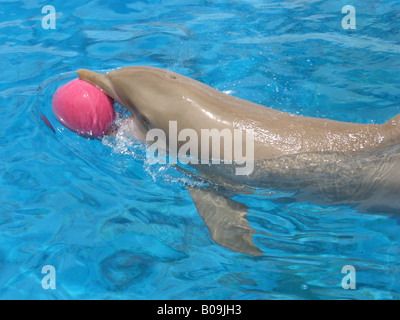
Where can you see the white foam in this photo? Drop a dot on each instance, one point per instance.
(124, 142)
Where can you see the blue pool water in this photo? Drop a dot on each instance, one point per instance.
(115, 227)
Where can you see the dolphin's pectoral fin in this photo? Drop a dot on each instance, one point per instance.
(226, 220)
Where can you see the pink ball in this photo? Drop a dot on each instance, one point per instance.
(83, 108)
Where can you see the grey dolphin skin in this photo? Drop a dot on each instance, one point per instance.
(344, 163)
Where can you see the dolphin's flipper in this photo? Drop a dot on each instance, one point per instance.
(226, 221)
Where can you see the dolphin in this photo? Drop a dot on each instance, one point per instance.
(297, 153)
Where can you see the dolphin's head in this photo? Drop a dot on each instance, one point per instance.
(154, 96)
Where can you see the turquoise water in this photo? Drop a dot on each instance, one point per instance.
(115, 227)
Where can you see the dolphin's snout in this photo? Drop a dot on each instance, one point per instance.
(99, 80)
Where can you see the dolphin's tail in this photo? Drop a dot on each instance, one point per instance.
(99, 80)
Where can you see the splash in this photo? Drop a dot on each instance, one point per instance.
(123, 142)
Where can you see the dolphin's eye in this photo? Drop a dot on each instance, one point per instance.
(172, 76)
(145, 121)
